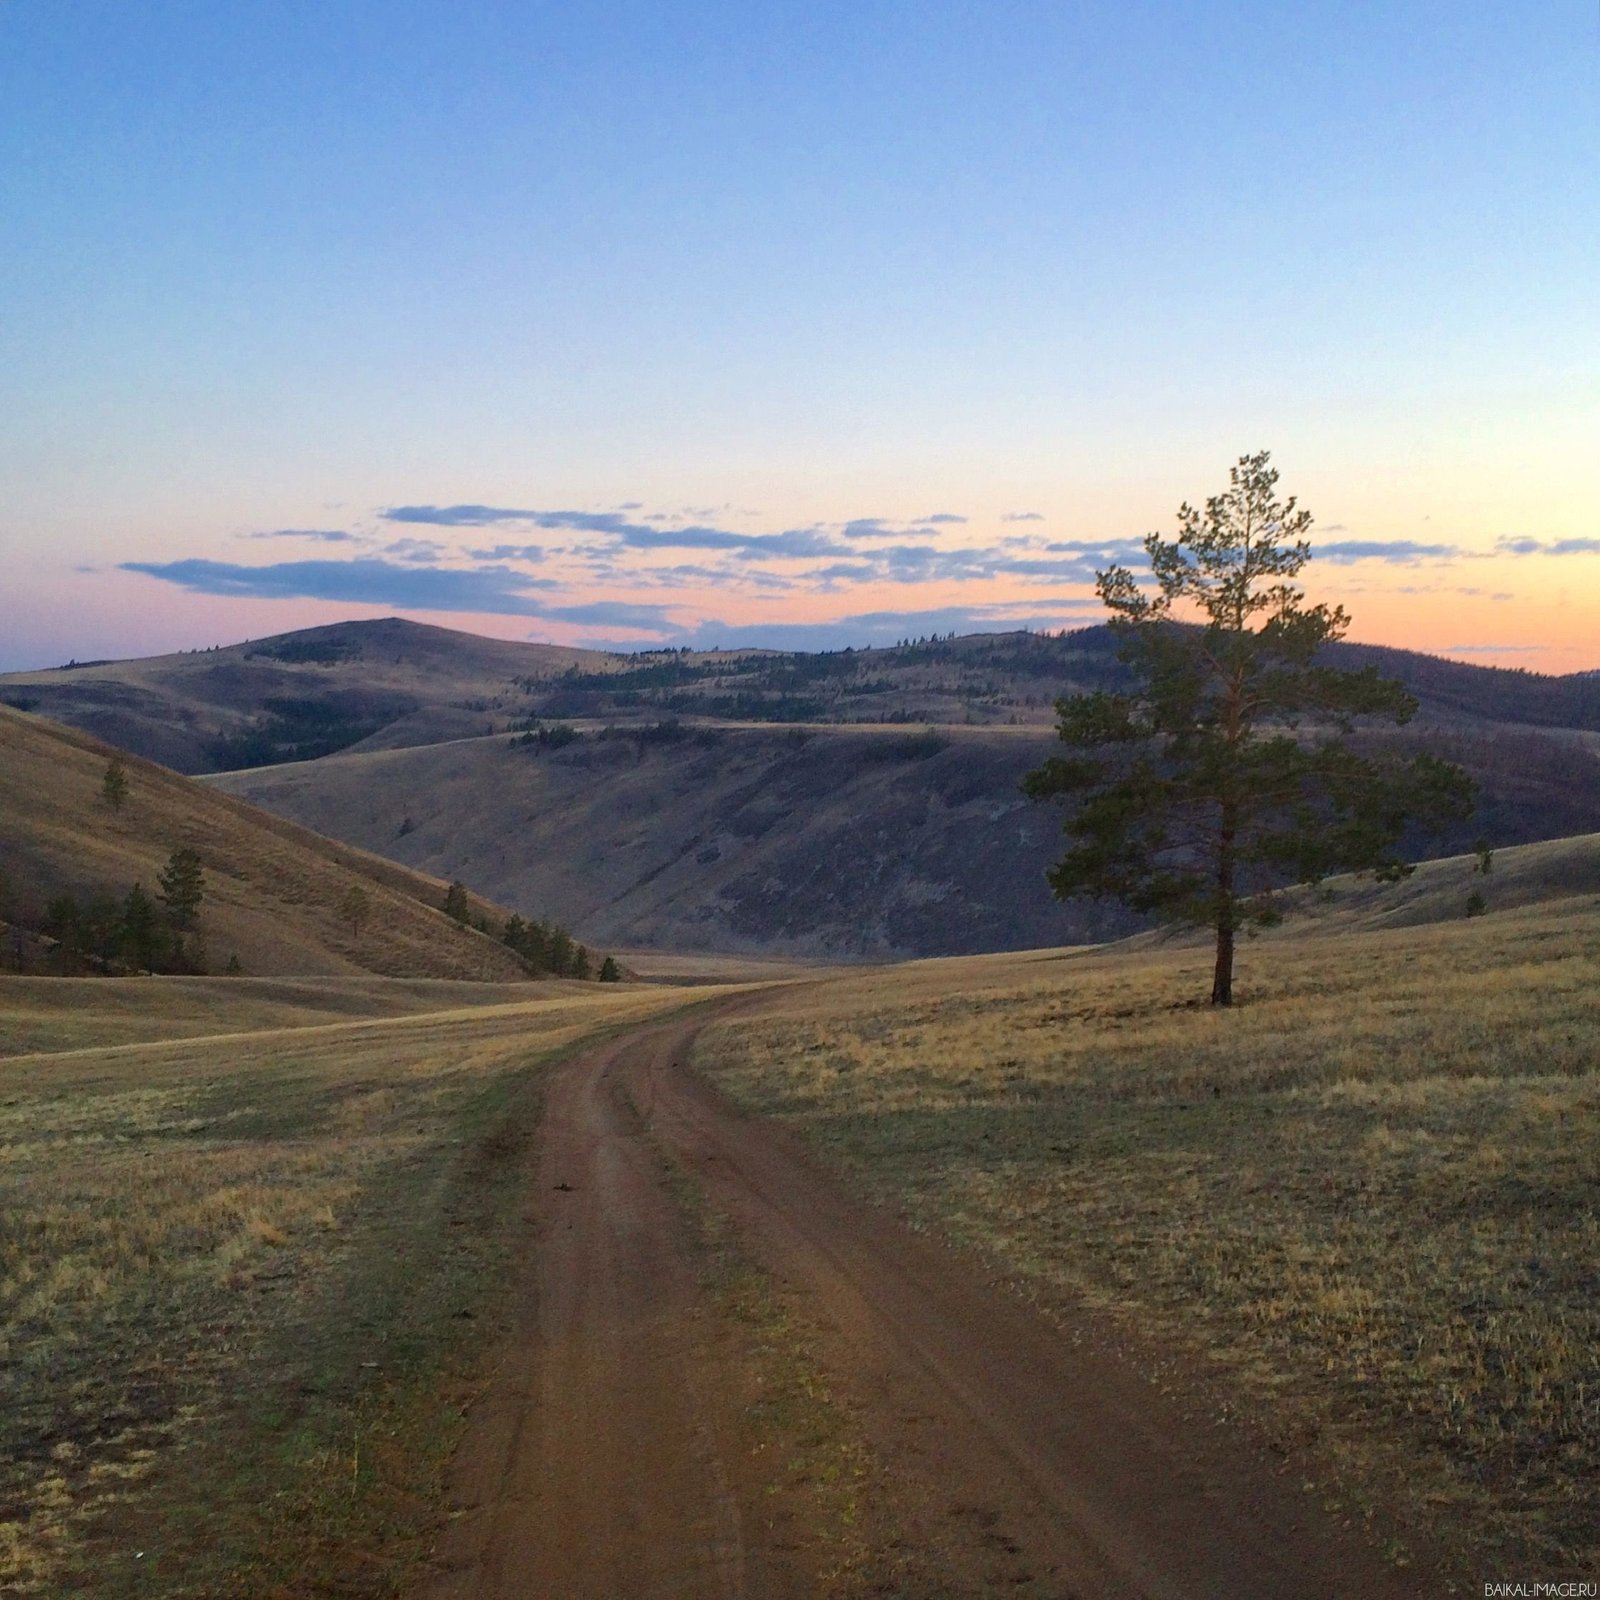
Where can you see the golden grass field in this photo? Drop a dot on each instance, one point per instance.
(238, 1273)
(257, 1232)
(272, 889)
(1362, 1205)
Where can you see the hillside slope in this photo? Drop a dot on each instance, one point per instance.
(391, 683)
(784, 841)
(294, 696)
(272, 889)
(802, 841)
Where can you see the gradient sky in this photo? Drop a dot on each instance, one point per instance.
(788, 323)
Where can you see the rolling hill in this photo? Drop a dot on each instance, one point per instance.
(393, 684)
(849, 804)
(272, 889)
(841, 843)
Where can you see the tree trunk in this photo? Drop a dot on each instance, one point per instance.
(1222, 980)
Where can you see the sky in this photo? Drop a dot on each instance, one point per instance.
(802, 324)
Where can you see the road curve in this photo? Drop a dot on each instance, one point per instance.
(605, 1460)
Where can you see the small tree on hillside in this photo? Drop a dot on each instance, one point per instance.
(455, 903)
(144, 940)
(1227, 772)
(355, 907)
(610, 972)
(114, 783)
(182, 888)
(63, 922)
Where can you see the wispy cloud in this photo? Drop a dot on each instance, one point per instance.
(1402, 552)
(942, 516)
(1023, 516)
(422, 552)
(1523, 546)
(457, 516)
(510, 552)
(490, 591)
(792, 543)
(320, 535)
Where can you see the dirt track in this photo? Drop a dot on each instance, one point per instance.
(607, 1460)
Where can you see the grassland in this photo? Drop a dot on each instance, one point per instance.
(244, 1280)
(273, 890)
(1360, 1209)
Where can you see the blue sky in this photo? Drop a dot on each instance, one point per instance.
(775, 272)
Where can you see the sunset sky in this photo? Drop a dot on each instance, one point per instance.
(804, 324)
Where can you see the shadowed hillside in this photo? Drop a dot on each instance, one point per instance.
(272, 890)
(801, 841)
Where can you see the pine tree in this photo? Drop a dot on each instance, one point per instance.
(141, 934)
(114, 784)
(455, 903)
(355, 907)
(610, 972)
(182, 888)
(1227, 772)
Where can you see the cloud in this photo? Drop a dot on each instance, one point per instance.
(509, 552)
(492, 591)
(1493, 649)
(457, 516)
(943, 516)
(322, 535)
(1524, 546)
(1023, 516)
(421, 551)
(797, 543)
(1403, 552)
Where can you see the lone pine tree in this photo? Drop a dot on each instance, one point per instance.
(114, 783)
(1226, 772)
(182, 888)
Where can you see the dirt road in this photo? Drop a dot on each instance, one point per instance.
(609, 1460)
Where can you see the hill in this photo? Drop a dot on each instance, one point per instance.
(272, 889)
(864, 842)
(847, 804)
(295, 696)
(391, 684)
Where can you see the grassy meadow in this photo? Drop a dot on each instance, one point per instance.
(1360, 1208)
(239, 1275)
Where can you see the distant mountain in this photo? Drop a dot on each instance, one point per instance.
(272, 889)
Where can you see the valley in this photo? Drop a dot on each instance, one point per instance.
(1330, 1252)
(387, 1266)
(856, 805)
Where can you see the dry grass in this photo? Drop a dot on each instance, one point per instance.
(1367, 1197)
(272, 889)
(55, 1014)
(229, 1268)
